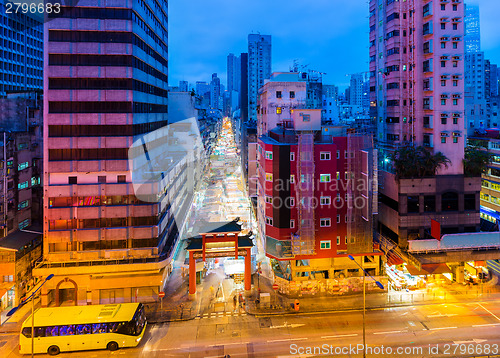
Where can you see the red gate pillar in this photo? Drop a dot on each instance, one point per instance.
(192, 274)
(248, 271)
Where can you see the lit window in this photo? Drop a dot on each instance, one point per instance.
(338, 176)
(292, 202)
(292, 224)
(292, 156)
(338, 240)
(325, 178)
(269, 221)
(269, 155)
(292, 179)
(325, 245)
(269, 177)
(269, 199)
(278, 110)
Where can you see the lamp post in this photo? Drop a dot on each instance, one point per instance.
(364, 300)
(32, 297)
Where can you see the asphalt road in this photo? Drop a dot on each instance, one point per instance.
(434, 330)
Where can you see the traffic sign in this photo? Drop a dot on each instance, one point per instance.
(275, 286)
(161, 294)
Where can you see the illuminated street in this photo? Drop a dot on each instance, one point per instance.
(475, 323)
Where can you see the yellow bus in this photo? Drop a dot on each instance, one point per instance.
(76, 328)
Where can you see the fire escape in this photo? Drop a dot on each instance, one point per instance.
(303, 242)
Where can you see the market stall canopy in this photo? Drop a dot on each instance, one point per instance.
(428, 269)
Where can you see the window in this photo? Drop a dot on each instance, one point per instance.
(443, 26)
(455, 120)
(443, 139)
(121, 179)
(455, 63)
(292, 224)
(338, 240)
(101, 179)
(455, 139)
(292, 94)
(324, 156)
(22, 146)
(292, 201)
(269, 177)
(325, 222)
(443, 83)
(23, 185)
(443, 7)
(278, 110)
(455, 83)
(429, 203)
(325, 245)
(337, 176)
(269, 221)
(325, 200)
(269, 199)
(455, 26)
(443, 63)
(23, 224)
(338, 154)
(292, 156)
(469, 202)
(306, 117)
(455, 45)
(269, 155)
(413, 205)
(292, 178)
(443, 44)
(455, 102)
(278, 94)
(325, 178)
(455, 7)
(23, 204)
(338, 218)
(443, 120)
(449, 201)
(72, 180)
(22, 166)
(443, 102)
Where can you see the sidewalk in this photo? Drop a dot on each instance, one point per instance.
(13, 323)
(452, 293)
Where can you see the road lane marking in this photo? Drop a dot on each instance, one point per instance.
(227, 344)
(487, 310)
(390, 332)
(340, 335)
(440, 328)
(486, 325)
(287, 339)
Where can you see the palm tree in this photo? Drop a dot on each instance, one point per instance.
(411, 162)
(476, 160)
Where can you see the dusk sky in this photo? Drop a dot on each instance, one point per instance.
(330, 36)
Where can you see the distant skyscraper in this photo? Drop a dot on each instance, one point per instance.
(202, 88)
(21, 57)
(356, 90)
(183, 86)
(233, 73)
(244, 86)
(215, 92)
(472, 30)
(259, 69)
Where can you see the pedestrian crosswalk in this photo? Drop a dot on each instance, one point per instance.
(220, 314)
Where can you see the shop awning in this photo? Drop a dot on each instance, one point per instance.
(428, 269)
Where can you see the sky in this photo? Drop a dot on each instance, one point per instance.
(329, 36)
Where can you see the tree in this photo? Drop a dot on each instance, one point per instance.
(410, 162)
(476, 160)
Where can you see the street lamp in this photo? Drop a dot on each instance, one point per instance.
(364, 300)
(32, 297)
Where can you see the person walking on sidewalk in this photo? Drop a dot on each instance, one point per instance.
(234, 303)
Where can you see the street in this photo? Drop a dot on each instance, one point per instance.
(470, 327)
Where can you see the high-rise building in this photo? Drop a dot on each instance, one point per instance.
(105, 90)
(233, 73)
(305, 209)
(475, 92)
(417, 89)
(493, 80)
(472, 36)
(356, 90)
(244, 86)
(183, 86)
(21, 58)
(215, 93)
(259, 69)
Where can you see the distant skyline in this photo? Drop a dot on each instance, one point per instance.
(330, 36)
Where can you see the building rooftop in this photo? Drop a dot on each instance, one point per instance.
(19, 239)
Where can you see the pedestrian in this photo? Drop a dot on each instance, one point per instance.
(211, 291)
(234, 303)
